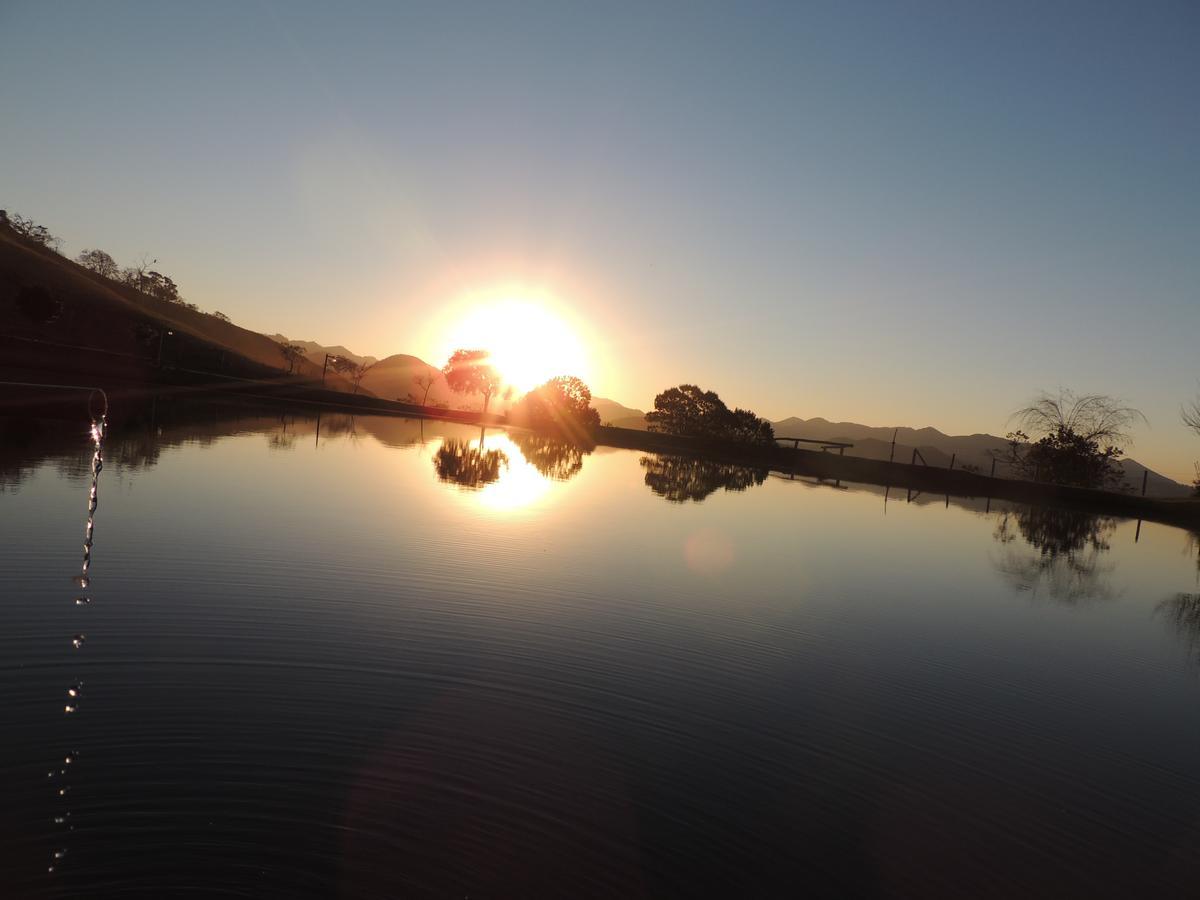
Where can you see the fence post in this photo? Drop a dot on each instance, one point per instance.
(993, 472)
(953, 456)
(892, 455)
(1145, 475)
(914, 457)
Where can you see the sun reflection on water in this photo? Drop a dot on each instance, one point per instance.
(513, 486)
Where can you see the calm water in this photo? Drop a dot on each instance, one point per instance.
(387, 661)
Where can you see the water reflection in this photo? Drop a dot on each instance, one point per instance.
(1182, 612)
(555, 459)
(468, 465)
(679, 479)
(1062, 555)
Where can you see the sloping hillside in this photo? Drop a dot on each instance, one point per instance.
(614, 413)
(56, 314)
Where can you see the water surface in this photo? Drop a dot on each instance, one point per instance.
(401, 658)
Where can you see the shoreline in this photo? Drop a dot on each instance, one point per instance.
(1182, 512)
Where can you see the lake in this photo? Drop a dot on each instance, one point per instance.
(381, 657)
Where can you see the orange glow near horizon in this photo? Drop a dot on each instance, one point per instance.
(529, 341)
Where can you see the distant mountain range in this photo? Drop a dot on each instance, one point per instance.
(316, 352)
(935, 447)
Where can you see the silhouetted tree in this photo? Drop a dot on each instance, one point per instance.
(681, 478)
(31, 230)
(458, 462)
(692, 411)
(562, 407)
(99, 262)
(560, 460)
(468, 372)
(425, 381)
(292, 354)
(358, 372)
(1191, 418)
(1071, 439)
(220, 315)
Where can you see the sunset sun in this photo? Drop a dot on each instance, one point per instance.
(528, 342)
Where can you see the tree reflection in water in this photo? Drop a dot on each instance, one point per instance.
(680, 478)
(559, 460)
(1067, 549)
(1182, 612)
(458, 462)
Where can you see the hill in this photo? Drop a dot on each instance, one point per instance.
(57, 315)
(614, 413)
(394, 378)
(317, 352)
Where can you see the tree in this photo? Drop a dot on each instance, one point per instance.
(31, 230)
(220, 315)
(562, 406)
(1191, 418)
(468, 372)
(1071, 439)
(692, 411)
(292, 354)
(357, 372)
(425, 381)
(99, 262)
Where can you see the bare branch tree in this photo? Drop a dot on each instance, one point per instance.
(1093, 417)
(1191, 415)
(426, 381)
(292, 354)
(358, 372)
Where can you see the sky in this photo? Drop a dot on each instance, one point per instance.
(910, 214)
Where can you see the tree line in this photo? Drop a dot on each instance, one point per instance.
(139, 276)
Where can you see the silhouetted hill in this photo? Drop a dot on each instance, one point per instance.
(614, 413)
(50, 307)
(317, 352)
(394, 378)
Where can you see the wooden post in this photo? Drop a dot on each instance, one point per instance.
(1145, 475)
(914, 457)
(953, 456)
(993, 472)
(1137, 534)
(892, 455)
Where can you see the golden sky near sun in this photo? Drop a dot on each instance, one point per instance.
(530, 336)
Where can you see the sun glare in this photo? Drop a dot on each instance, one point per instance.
(529, 343)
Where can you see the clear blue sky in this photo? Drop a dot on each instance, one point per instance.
(889, 213)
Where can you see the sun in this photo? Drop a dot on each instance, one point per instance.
(528, 340)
